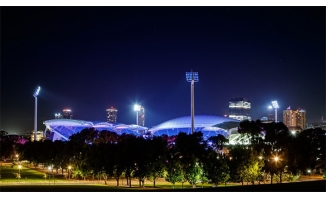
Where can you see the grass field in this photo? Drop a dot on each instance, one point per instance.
(33, 181)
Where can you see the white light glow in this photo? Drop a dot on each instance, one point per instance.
(37, 91)
(136, 107)
(275, 104)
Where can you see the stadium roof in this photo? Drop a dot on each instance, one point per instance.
(208, 124)
(62, 129)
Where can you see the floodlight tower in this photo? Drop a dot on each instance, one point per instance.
(192, 77)
(136, 109)
(275, 106)
(37, 91)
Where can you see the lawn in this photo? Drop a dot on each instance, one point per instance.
(33, 180)
(30, 176)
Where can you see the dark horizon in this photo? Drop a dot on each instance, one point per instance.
(91, 58)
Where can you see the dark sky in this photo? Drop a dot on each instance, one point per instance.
(90, 58)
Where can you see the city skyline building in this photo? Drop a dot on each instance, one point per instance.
(58, 116)
(295, 119)
(112, 115)
(239, 108)
(67, 114)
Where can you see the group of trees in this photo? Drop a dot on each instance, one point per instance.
(183, 157)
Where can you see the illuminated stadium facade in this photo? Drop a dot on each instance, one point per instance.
(62, 129)
(209, 125)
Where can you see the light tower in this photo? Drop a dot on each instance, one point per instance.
(275, 106)
(192, 77)
(37, 91)
(137, 109)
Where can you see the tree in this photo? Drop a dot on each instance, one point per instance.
(157, 148)
(173, 170)
(215, 167)
(277, 145)
(190, 149)
(252, 167)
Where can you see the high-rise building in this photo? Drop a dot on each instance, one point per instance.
(271, 115)
(67, 114)
(239, 108)
(294, 118)
(112, 115)
(141, 116)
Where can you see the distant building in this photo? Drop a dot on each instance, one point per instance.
(141, 116)
(67, 114)
(295, 119)
(58, 116)
(271, 115)
(112, 115)
(239, 109)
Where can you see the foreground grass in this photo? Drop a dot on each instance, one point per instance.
(308, 186)
(33, 181)
(29, 175)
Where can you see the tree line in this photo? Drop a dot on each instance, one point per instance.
(272, 153)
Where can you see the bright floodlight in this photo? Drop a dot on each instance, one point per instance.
(192, 76)
(275, 104)
(136, 107)
(270, 107)
(37, 91)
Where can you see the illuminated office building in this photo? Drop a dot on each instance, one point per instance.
(239, 109)
(67, 114)
(294, 118)
(112, 115)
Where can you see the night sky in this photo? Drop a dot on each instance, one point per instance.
(91, 58)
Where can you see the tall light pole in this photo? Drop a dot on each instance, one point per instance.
(192, 77)
(275, 106)
(37, 91)
(136, 109)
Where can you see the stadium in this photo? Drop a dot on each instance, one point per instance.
(209, 125)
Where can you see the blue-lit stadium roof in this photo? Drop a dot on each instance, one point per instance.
(62, 129)
(209, 125)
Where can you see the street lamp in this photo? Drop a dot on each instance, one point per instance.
(275, 106)
(37, 91)
(309, 171)
(192, 77)
(19, 167)
(136, 109)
